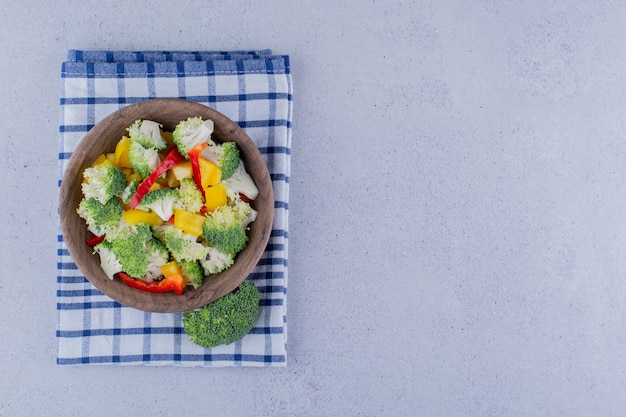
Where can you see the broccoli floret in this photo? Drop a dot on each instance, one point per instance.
(225, 320)
(130, 245)
(191, 132)
(243, 210)
(222, 230)
(103, 182)
(225, 157)
(161, 201)
(241, 182)
(190, 196)
(159, 256)
(108, 261)
(192, 272)
(143, 160)
(182, 246)
(100, 218)
(129, 191)
(216, 261)
(148, 134)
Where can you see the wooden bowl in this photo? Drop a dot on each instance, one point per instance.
(102, 138)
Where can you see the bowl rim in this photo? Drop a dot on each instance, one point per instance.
(82, 255)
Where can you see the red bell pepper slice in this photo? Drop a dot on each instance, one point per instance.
(94, 240)
(244, 198)
(194, 154)
(174, 282)
(172, 158)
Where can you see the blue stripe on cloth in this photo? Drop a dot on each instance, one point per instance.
(142, 56)
(168, 69)
(62, 279)
(87, 305)
(208, 358)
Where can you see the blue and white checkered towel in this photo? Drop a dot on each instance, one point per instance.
(254, 89)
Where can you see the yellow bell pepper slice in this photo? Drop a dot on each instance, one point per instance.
(189, 222)
(170, 269)
(215, 196)
(137, 216)
(101, 159)
(182, 170)
(210, 174)
(156, 186)
(121, 153)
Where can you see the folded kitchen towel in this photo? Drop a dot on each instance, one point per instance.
(253, 88)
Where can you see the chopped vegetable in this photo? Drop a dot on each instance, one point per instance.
(189, 222)
(171, 268)
(210, 173)
(94, 240)
(103, 182)
(190, 196)
(174, 283)
(215, 196)
(148, 134)
(99, 217)
(225, 156)
(137, 216)
(172, 159)
(143, 160)
(182, 170)
(193, 156)
(241, 182)
(222, 230)
(191, 132)
(161, 202)
(121, 153)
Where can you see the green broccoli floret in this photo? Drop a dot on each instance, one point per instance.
(130, 245)
(226, 319)
(143, 160)
(192, 272)
(191, 198)
(182, 246)
(129, 191)
(225, 157)
(161, 201)
(100, 218)
(103, 182)
(148, 134)
(108, 261)
(191, 132)
(216, 261)
(241, 182)
(222, 230)
(159, 256)
(243, 210)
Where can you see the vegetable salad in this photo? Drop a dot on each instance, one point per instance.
(168, 209)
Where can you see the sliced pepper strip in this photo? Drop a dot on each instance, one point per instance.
(172, 158)
(194, 154)
(94, 240)
(174, 282)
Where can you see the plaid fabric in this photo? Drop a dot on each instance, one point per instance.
(253, 88)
